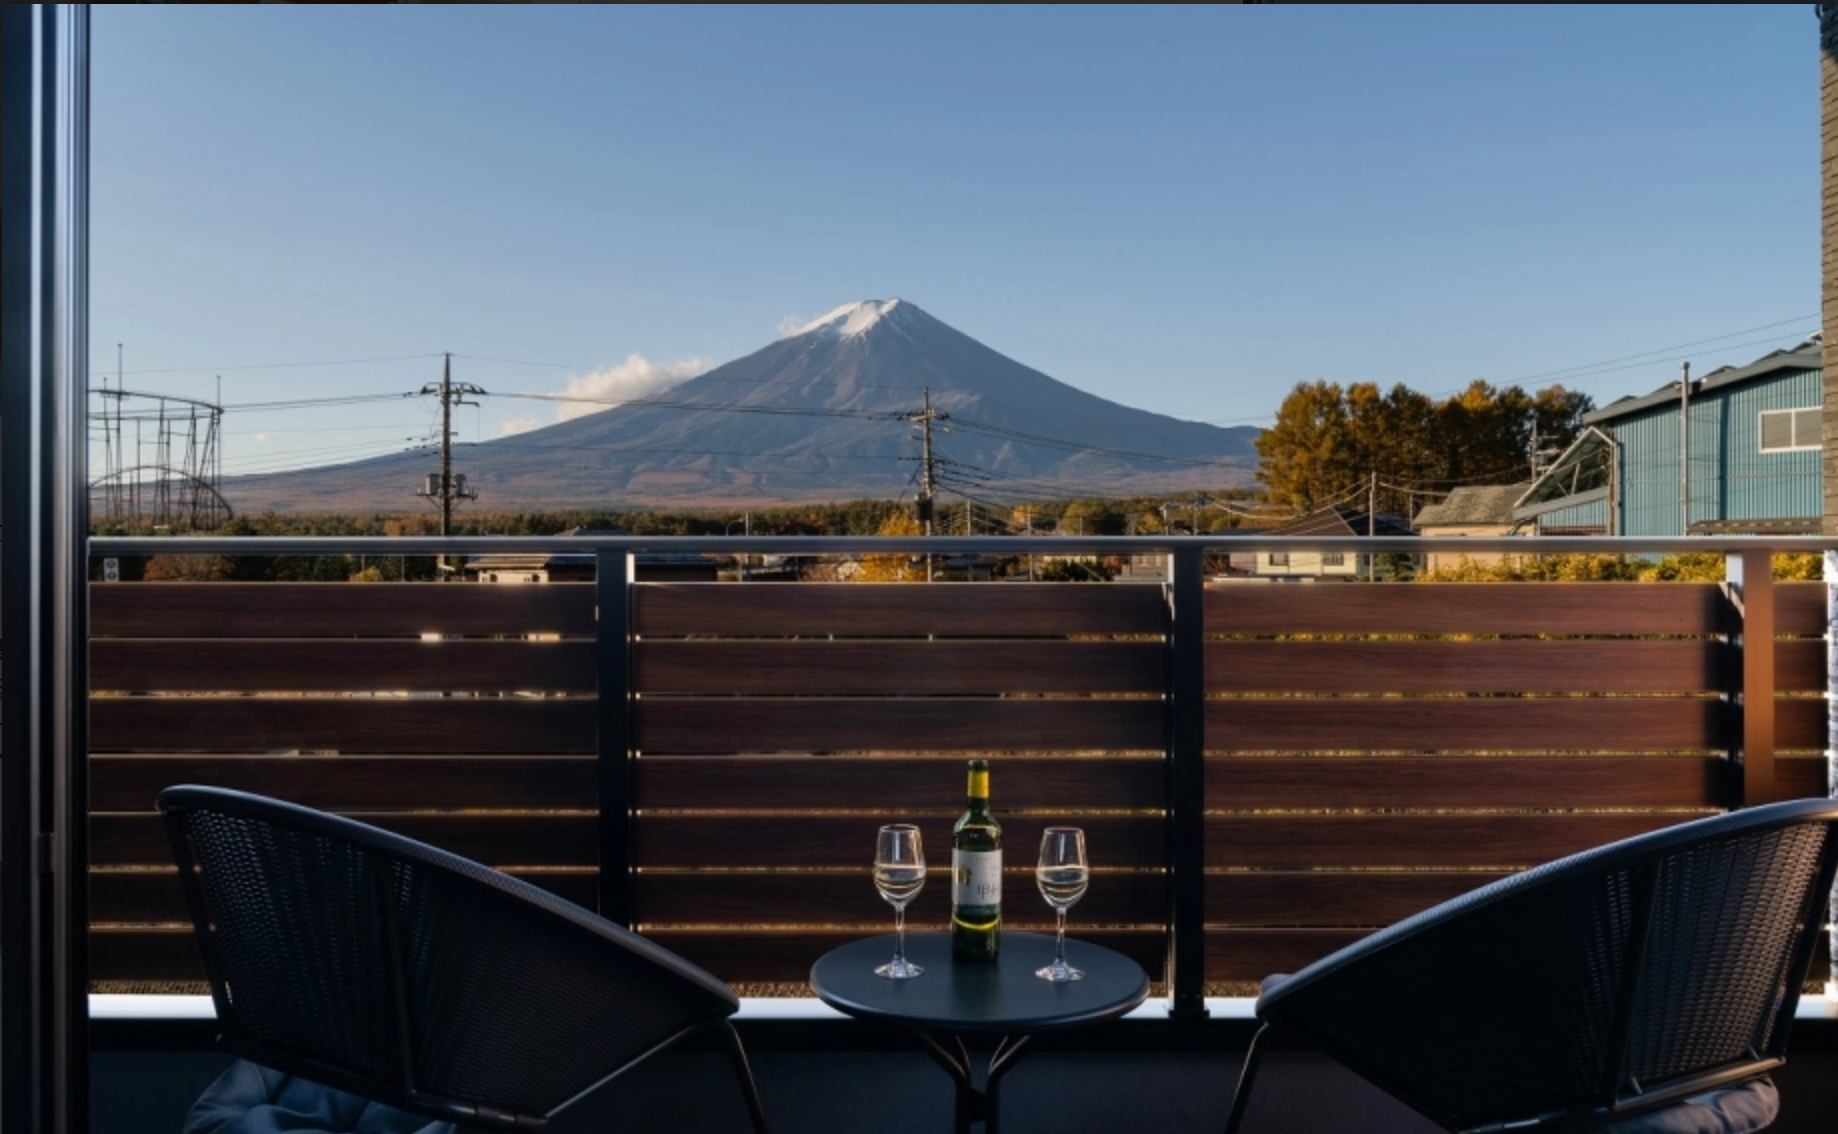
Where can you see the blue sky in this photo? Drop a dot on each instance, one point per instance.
(1187, 211)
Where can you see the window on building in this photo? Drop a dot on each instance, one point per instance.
(1279, 559)
(1784, 430)
(1334, 559)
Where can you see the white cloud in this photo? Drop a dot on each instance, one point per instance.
(636, 377)
(790, 325)
(518, 425)
(263, 437)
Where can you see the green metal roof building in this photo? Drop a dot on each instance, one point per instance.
(1754, 458)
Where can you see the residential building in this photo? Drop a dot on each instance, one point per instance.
(1753, 437)
(1328, 564)
(1472, 510)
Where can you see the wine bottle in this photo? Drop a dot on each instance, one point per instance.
(976, 875)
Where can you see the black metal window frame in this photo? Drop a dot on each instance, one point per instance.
(44, 1042)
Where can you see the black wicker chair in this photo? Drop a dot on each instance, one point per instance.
(388, 969)
(1589, 993)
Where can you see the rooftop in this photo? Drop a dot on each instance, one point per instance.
(1474, 504)
(1808, 355)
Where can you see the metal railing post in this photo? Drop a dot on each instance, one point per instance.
(1187, 781)
(613, 574)
(1750, 575)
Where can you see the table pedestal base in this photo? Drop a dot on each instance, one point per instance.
(976, 1104)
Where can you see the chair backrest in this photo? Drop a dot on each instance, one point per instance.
(387, 968)
(1604, 983)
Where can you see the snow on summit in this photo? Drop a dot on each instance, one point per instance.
(851, 319)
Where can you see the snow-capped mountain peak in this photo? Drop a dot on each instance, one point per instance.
(851, 319)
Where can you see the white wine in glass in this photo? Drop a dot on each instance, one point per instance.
(1062, 875)
(899, 874)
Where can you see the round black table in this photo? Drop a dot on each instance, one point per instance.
(1004, 998)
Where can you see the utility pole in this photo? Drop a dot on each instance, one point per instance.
(928, 483)
(443, 486)
(1372, 525)
(1684, 448)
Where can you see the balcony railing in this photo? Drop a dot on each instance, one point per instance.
(1265, 772)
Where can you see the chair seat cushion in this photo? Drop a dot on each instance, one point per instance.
(1730, 1110)
(251, 1099)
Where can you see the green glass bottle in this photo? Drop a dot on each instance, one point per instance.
(976, 876)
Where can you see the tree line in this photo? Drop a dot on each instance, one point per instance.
(1329, 439)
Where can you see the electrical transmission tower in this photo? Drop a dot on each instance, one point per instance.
(161, 461)
(443, 485)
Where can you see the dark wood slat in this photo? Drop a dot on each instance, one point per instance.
(1316, 899)
(1300, 842)
(1481, 724)
(891, 668)
(692, 724)
(1801, 777)
(1799, 723)
(1799, 608)
(499, 840)
(358, 725)
(836, 898)
(1799, 665)
(894, 782)
(144, 954)
(356, 783)
(787, 955)
(896, 610)
(159, 664)
(1302, 783)
(1467, 608)
(336, 610)
(144, 896)
(1253, 954)
(1510, 666)
(807, 841)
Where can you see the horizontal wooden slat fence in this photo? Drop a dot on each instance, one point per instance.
(1799, 681)
(1367, 751)
(1374, 750)
(464, 716)
(777, 727)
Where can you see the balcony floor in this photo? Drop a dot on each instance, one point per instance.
(897, 1092)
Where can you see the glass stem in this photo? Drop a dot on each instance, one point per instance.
(899, 933)
(1059, 953)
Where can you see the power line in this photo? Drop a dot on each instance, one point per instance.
(316, 403)
(712, 407)
(1666, 349)
(282, 365)
(317, 429)
(985, 429)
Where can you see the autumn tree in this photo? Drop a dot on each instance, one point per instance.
(900, 567)
(1306, 457)
(1328, 441)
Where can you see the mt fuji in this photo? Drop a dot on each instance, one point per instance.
(828, 412)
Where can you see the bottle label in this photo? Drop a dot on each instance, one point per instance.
(976, 878)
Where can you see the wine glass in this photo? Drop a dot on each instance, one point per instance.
(1062, 875)
(899, 874)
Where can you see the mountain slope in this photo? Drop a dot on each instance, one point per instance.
(818, 415)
